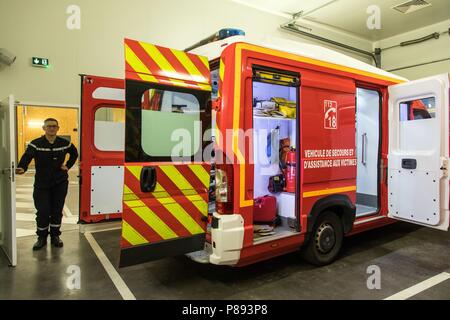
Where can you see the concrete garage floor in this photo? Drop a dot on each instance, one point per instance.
(406, 254)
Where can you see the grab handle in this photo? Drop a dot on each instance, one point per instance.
(148, 179)
(364, 149)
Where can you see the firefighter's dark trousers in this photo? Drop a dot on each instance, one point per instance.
(49, 203)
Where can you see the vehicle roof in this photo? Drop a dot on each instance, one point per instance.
(214, 50)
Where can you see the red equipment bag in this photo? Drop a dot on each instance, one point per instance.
(265, 209)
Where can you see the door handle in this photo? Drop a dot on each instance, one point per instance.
(444, 166)
(364, 148)
(409, 164)
(10, 172)
(148, 179)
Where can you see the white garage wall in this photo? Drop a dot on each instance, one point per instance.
(419, 53)
(38, 28)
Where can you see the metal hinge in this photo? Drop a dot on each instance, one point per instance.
(444, 166)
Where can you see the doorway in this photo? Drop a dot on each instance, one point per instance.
(30, 119)
(368, 104)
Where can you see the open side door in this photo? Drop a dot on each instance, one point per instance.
(102, 148)
(167, 130)
(8, 239)
(418, 182)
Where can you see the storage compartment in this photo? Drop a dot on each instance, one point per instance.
(268, 134)
(275, 118)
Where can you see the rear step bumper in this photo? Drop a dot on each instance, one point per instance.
(201, 256)
(227, 238)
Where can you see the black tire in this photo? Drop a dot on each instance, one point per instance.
(325, 241)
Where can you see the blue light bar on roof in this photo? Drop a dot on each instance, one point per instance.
(228, 32)
(219, 35)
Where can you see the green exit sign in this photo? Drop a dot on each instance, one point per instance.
(40, 62)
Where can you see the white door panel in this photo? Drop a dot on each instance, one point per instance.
(7, 180)
(418, 183)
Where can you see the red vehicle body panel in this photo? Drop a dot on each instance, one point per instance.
(319, 82)
(90, 156)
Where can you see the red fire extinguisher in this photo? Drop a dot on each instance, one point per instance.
(290, 172)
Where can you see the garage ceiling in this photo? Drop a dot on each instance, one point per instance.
(351, 16)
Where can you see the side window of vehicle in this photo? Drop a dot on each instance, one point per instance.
(418, 130)
(171, 124)
(418, 109)
(109, 129)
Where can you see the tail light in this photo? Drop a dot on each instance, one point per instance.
(221, 186)
(224, 192)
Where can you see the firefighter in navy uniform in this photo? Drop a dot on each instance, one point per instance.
(51, 180)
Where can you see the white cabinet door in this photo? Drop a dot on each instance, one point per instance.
(7, 180)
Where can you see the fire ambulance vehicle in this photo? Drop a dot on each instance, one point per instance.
(309, 146)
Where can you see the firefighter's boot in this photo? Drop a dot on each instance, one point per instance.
(57, 242)
(40, 243)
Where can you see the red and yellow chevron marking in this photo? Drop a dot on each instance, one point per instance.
(175, 209)
(152, 63)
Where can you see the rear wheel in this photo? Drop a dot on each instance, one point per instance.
(326, 240)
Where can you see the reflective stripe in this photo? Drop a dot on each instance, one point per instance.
(154, 222)
(201, 174)
(45, 228)
(201, 205)
(322, 192)
(39, 149)
(62, 148)
(181, 215)
(178, 179)
(222, 70)
(55, 225)
(151, 63)
(49, 149)
(133, 60)
(131, 235)
(189, 66)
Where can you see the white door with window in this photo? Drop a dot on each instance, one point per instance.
(7, 180)
(418, 181)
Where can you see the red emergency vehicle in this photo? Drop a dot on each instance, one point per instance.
(371, 148)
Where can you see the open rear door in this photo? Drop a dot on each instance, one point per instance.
(102, 148)
(7, 180)
(418, 182)
(167, 129)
